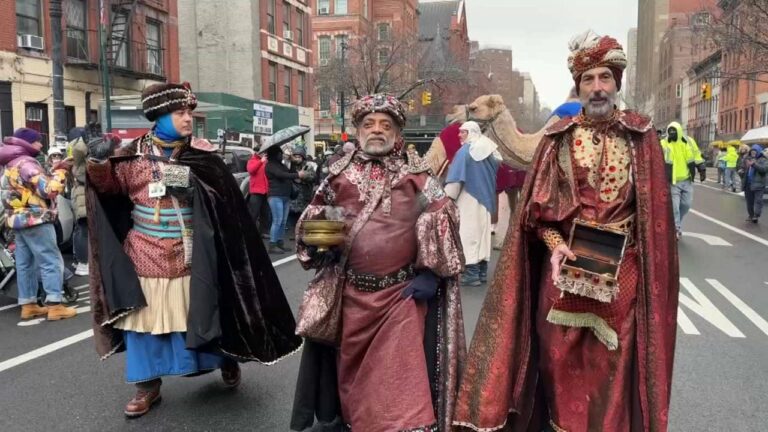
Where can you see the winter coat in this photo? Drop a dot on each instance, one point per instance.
(731, 158)
(305, 188)
(26, 190)
(280, 179)
(757, 173)
(79, 153)
(258, 183)
(681, 156)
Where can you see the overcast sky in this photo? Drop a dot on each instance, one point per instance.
(538, 31)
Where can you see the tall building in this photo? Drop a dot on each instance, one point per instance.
(654, 18)
(701, 121)
(142, 50)
(630, 80)
(339, 24)
(238, 53)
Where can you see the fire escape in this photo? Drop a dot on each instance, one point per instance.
(129, 53)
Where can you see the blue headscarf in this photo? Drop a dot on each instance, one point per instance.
(165, 130)
(751, 173)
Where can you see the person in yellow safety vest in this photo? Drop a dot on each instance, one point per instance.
(731, 159)
(683, 157)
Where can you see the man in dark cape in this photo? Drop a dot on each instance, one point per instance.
(217, 299)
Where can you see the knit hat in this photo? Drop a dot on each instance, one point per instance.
(160, 99)
(588, 51)
(28, 135)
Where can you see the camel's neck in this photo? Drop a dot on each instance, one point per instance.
(505, 124)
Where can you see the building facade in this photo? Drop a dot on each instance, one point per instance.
(238, 53)
(701, 121)
(142, 50)
(630, 76)
(744, 101)
(337, 24)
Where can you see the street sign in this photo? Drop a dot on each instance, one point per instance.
(262, 119)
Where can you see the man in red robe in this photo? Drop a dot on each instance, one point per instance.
(397, 337)
(558, 353)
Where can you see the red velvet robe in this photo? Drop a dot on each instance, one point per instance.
(522, 371)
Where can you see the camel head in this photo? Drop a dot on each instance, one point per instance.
(483, 109)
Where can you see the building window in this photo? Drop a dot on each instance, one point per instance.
(341, 41)
(300, 90)
(28, 14)
(120, 40)
(271, 16)
(154, 48)
(764, 114)
(299, 39)
(383, 56)
(383, 30)
(323, 7)
(272, 81)
(325, 99)
(324, 49)
(287, 86)
(340, 7)
(77, 42)
(286, 19)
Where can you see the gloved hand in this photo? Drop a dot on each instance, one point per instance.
(326, 258)
(65, 164)
(422, 287)
(101, 148)
(702, 172)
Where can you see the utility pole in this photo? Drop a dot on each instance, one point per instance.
(343, 98)
(59, 115)
(104, 65)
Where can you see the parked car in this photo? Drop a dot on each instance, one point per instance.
(236, 158)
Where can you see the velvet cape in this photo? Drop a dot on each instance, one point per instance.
(501, 388)
(237, 305)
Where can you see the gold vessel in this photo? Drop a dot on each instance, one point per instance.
(322, 233)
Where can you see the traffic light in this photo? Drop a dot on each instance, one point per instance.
(706, 91)
(426, 98)
(411, 105)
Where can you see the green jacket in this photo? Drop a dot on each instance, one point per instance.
(682, 156)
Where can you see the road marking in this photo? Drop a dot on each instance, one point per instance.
(685, 323)
(740, 305)
(709, 239)
(705, 309)
(7, 364)
(719, 189)
(760, 240)
(39, 352)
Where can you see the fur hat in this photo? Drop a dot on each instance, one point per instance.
(160, 99)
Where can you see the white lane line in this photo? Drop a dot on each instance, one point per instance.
(719, 189)
(685, 323)
(709, 239)
(704, 308)
(21, 359)
(760, 240)
(44, 350)
(748, 312)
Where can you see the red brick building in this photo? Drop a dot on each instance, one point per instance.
(335, 22)
(145, 50)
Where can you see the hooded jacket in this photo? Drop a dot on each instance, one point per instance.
(681, 156)
(731, 157)
(757, 173)
(26, 190)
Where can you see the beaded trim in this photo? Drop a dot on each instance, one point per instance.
(372, 283)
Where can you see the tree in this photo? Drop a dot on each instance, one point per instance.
(740, 30)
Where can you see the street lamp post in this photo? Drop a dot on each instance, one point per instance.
(59, 115)
(343, 98)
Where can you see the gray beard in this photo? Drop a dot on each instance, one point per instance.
(599, 112)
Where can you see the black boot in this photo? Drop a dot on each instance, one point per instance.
(275, 249)
(282, 247)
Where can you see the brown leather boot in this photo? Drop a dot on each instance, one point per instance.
(60, 312)
(230, 373)
(32, 310)
(142, 402)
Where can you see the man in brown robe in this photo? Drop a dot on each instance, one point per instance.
(400, 340)
(557, 349)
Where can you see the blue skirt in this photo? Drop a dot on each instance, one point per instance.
(149, 356)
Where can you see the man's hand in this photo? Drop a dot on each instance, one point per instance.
(303, 174)
(422, 287)
(325, 258)
(101, 148)
(750, 162)
(558, 254)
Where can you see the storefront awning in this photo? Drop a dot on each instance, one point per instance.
(756, 136)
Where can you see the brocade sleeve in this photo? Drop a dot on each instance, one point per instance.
(437, 234)
(103, 177)
(323, 198)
